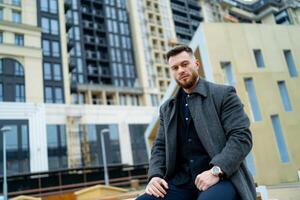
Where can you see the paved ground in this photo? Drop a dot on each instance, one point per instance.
(289, 191)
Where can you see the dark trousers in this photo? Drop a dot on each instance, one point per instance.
(224, 190)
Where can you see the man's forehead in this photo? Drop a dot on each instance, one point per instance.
(182, 56)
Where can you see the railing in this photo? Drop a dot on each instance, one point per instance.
(54, 182)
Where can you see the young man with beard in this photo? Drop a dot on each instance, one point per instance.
(202, 140)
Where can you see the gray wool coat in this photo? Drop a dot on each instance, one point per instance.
(223, 128)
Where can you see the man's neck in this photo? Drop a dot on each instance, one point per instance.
(190, 90)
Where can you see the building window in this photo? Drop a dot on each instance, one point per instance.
(45, 25)
(44, 5)
(19, 71)
(54, 27)
(52, 72)
(1, 37)
(154, 100)
(57, 147)
(1, 14)
(58, 95)
(47, 71)
(12, 80)
(20, 93)
(284, 156)
(138, 144)
(19, 40)
(290, 63)
(227, 69)
(46, 47)
(48, 95)
(93, 139)
(16, 2)
(53, 6)
(16, 16)
(17, 147)
(259, 58)
(1, 66)
(78, 98)
(57, 72)
(55, 49)
(1, 92)
(256, 114)
(284, 96)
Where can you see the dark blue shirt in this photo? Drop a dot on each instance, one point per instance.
(191, 157)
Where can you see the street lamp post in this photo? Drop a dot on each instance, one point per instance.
(106, 178)
(3, 130)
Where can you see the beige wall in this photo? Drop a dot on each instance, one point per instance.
(235, 43)
(64, 52)
(29, 55)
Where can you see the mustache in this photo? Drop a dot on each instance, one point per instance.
(183, 76)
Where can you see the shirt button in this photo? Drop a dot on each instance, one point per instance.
(188, 95)
(186, 119)
(191, 161)
(189, 139)
(186, 104)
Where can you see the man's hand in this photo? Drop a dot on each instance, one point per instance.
(205, 180)
(157, 187)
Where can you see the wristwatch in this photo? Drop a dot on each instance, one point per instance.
(216, 171)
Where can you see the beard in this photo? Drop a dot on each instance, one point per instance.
(190, 83)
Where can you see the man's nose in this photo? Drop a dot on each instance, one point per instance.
(180, 69)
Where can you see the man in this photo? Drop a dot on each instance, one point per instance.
(202, 140)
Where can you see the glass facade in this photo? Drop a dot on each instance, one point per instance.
(138, 144)
(57, 147)
(17, 147)
(52, 63)
(91, 144)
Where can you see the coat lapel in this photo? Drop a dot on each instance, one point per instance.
(171, 136)
(198, 102)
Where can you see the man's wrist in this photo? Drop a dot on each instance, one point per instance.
(217, 171)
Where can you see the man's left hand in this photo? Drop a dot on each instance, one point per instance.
(205, 180)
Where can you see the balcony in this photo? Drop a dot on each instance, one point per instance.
(180, 19)
(72, 64)
(98, 13)
(89, 39)
(69, 24)
(100, 41)
(70, 44)
(178, 8)
(67, 5)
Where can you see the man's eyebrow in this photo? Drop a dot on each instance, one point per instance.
(179, 63)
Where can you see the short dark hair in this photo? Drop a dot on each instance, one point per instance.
(177, 50)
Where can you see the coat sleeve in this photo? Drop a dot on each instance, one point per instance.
(157, 165)
(236, 127)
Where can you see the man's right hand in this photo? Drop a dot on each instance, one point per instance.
(157, 187)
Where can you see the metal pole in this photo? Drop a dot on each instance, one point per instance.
(3, 130)
(106, 178)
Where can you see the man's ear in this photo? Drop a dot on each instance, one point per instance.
(197, 63)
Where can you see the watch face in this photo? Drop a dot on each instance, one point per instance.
(216, 170)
